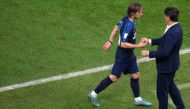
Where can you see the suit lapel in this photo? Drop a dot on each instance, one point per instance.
(171, 28)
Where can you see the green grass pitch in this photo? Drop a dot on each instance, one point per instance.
(43, 38)
(72, 93)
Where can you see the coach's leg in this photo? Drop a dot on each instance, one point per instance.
(162, 90)
(175, 95)
(135, 84)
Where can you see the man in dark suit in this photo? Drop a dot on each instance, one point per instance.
(167, 59)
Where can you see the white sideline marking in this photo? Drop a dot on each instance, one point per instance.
(72, 74)
(180, 87)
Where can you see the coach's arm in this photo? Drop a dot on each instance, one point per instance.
(165, 48)
(155, 41)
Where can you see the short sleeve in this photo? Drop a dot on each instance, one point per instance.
(126, 32)
(120, 24)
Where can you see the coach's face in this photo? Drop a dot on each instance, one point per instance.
(138, 14)
(167, 19)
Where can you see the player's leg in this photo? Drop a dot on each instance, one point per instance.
(135, 75)
(113, 77)
(136, 90)
(105, 83)
(135, 85)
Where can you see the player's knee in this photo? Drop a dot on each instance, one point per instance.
(113, 78)
(135, 75)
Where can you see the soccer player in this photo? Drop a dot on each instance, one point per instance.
(125, 59)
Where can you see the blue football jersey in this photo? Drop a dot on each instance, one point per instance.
(127, 34)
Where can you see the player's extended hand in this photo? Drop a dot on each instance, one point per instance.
(144, 53)
(106, 46)
(142, 44)
(145, 40)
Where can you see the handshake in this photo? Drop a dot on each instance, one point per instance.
(144, 41)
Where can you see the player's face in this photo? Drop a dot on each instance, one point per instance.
(138, 14)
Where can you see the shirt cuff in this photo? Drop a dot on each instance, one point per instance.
(150, 41)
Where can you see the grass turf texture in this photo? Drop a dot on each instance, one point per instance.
(44, 38)
(72, 93)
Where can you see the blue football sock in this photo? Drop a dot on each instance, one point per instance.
(103, 84)
(135, 87)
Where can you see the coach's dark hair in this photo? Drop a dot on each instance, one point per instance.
(172, 13)
(133, 8)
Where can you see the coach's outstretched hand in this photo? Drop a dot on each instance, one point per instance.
(107, 45)
(144, 53)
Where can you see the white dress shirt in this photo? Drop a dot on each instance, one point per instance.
(167, 28)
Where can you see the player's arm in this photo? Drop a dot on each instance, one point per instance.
(114, 33)
(151, 41)
(132, 46)
(108, 44)
(123, 41)
(115, 30)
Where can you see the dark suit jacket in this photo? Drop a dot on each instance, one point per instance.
(167, 54)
